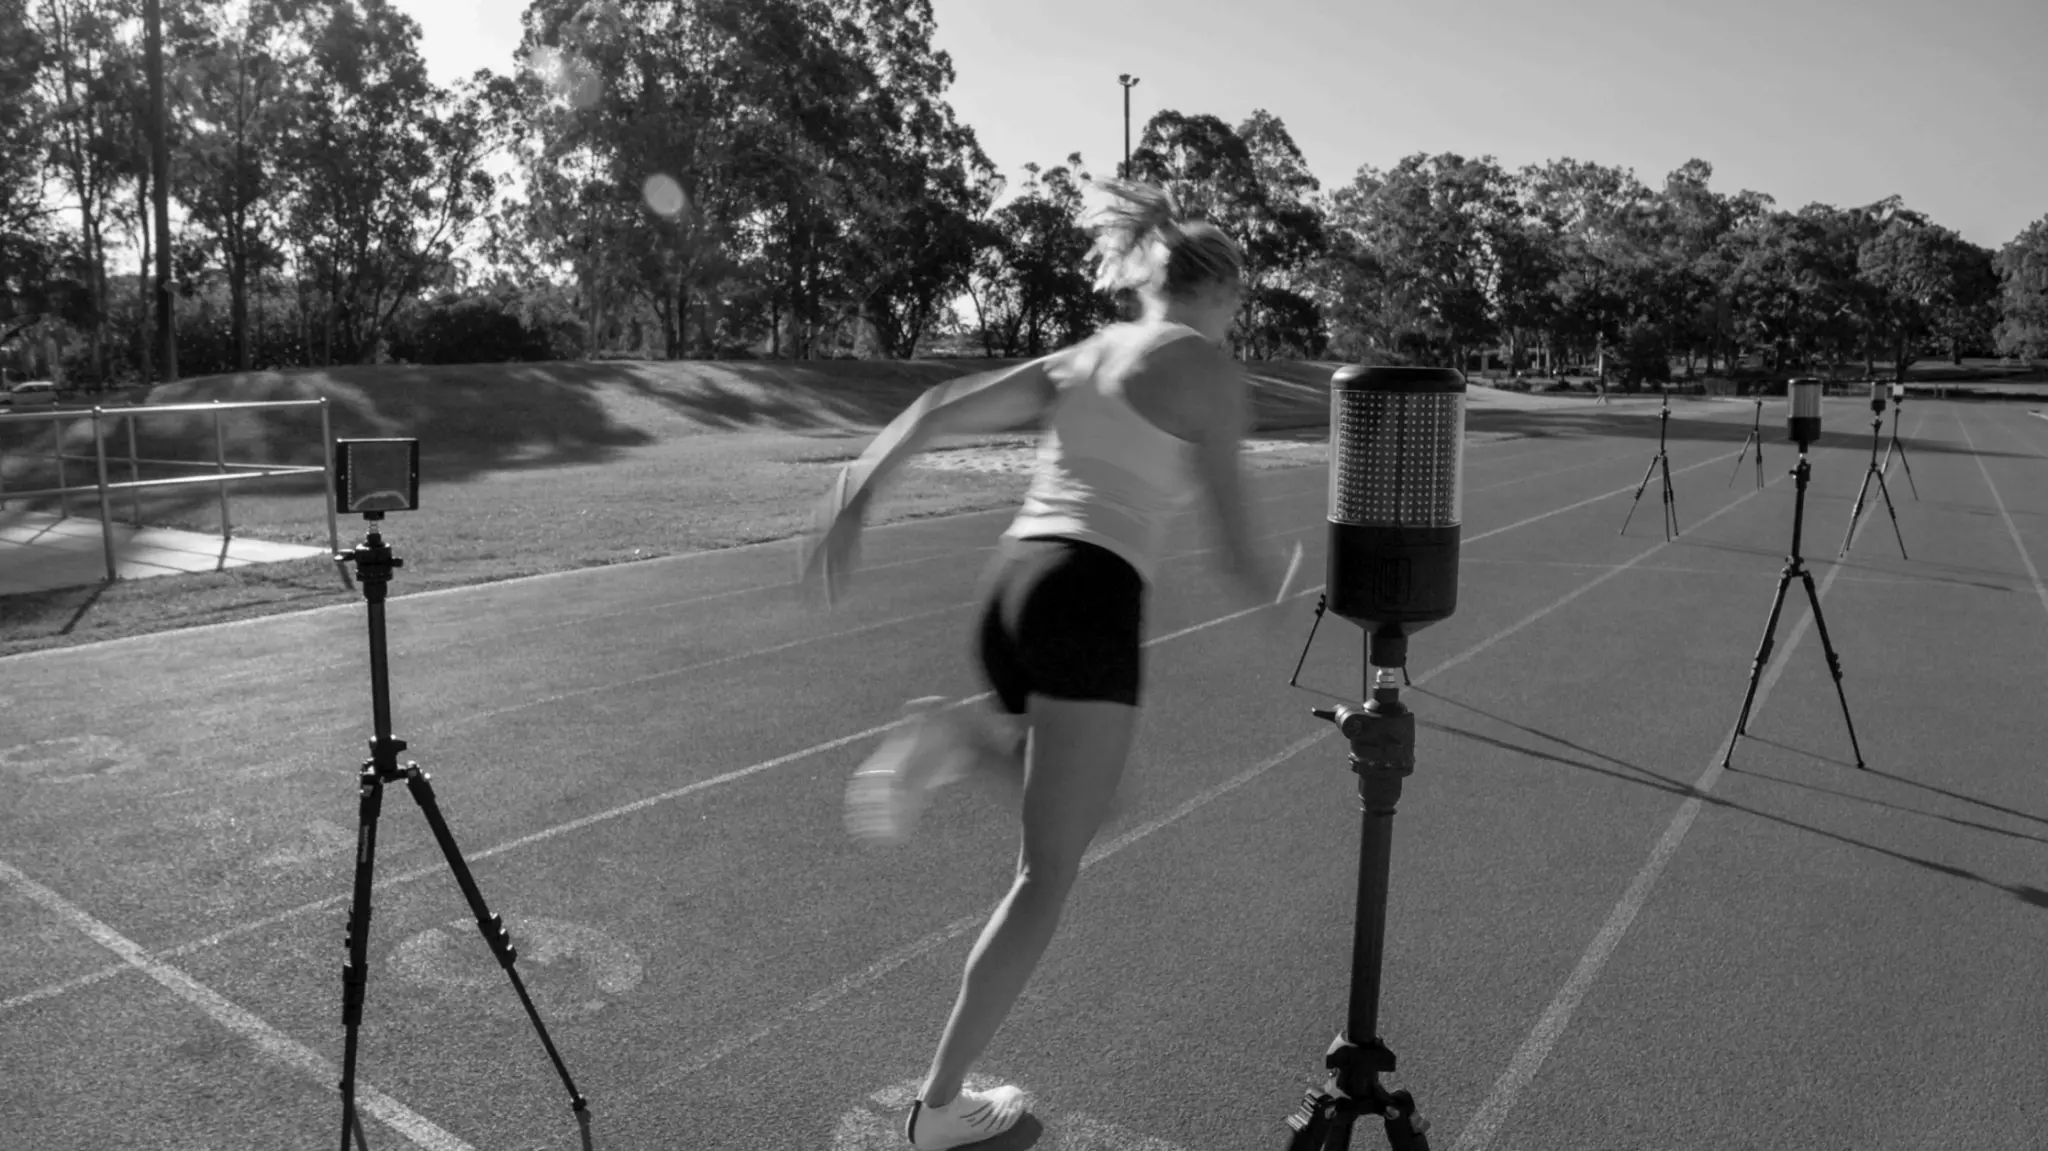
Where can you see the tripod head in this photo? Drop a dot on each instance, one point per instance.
(374, 562)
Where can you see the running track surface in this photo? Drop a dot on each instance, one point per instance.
(1597, 938)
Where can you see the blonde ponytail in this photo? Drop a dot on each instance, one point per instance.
(1133, 224)
(1143, 241)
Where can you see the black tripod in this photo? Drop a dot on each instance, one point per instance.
(1382, 735)
(1756, 436)
(1877, 473)
(374, 564)
(1897, 445)
(1663, 461)
(1795, 565)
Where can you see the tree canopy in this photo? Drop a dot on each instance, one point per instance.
(787, 178)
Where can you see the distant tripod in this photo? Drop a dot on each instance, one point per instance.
(1756, 436)
(1795, 565)
(1898, 405)
(1877, 473)
(1663, 461)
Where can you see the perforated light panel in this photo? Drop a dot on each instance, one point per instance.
(1397, 458)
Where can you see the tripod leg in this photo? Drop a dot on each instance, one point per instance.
(492, 927)
(1887, 494)
(1763, 656)
(1856, 512)
(1670, 501)
(1827, 646)
(1909, 468)
(1322, 602)
(356, 973)
(1647, 473)
(1746, 441)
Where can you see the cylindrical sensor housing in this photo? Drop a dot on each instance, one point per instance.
(1802, 423)
(1397, 495)
(1877, 394)
(1898, 392)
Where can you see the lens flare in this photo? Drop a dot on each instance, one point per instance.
(663, 195)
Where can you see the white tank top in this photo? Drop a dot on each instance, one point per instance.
(1105, 474)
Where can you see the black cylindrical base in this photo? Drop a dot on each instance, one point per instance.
(1393, 575)
(1802, 430)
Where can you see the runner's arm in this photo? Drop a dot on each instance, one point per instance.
(983, 402)
(1252, 565)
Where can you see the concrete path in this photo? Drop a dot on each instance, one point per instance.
(43, 552)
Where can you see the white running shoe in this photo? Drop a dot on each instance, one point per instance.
(890, 790)
(971, 1117)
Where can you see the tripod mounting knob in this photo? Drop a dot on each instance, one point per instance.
(1350, 719)
(1382, 736)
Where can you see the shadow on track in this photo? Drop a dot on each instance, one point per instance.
(2029, 895)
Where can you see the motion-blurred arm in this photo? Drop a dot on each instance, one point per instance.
(980, 403)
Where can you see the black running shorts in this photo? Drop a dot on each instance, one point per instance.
(1061, 618)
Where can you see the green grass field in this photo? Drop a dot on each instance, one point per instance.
(527, 468)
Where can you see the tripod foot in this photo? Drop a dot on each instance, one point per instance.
(1323, 1123)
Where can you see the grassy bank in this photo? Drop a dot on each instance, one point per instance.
(530, 468)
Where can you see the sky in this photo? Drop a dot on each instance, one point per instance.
(1942, 102)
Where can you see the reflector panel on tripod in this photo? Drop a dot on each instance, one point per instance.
(1397, 458)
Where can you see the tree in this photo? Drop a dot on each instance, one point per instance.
(1044, 254)
(1283, 234)
(25, 245)
(1933, 281)
(239, 105)
(923, 185)
(2023, 293)
(1584, 222)
(1206, 166)
(1428, 224)
(88, 147)
(387, 172)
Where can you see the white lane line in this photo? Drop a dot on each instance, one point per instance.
(1096, 854)
(273, 1043)
(1604, 461)
(1482, 1128)
(268, 921)
(1603, 496)
(385, 884)
(959, 927)
(162, 637)
(2011, 529)
(355, 604)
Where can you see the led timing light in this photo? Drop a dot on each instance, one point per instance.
(1877, 394)
(1397, 497)
(1803, 420)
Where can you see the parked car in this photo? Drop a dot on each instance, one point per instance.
(34, 392)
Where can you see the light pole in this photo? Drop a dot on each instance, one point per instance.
(1129, 82)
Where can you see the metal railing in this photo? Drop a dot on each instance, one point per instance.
(225, 472)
